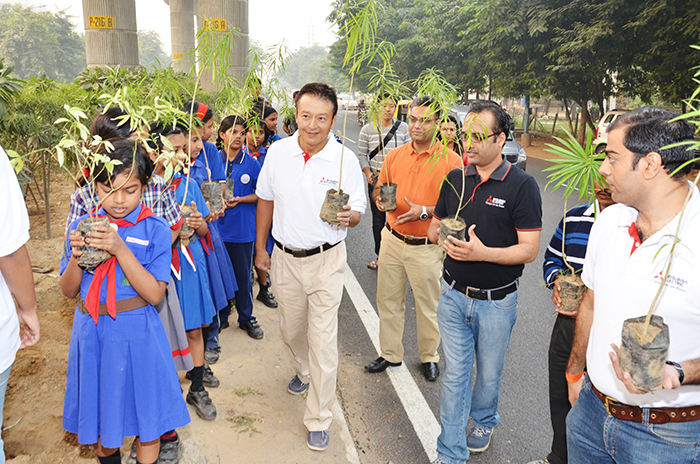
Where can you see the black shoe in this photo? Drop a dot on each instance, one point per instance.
(431, 371)
(202, 404)
(170, 452)
(208, 379)
(224, 325)
(379, 365)
(266, 297)
(253, 329)
(211, 355)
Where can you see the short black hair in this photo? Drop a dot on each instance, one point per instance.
(161, 129)
(129, 153)
(320, 90)
(227, 123)
(499, 114)
(386, 95)
(201, 112)
(649, 129)
(427, 100)
(112, 123)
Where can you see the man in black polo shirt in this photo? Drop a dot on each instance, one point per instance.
(476, 314)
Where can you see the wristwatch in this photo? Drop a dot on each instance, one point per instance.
(424, 214)
(681, 374)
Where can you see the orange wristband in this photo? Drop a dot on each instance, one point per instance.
(573, 378)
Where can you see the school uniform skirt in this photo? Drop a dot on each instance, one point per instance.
(194, 289)
(121, 380)
(174, 324)
(221, 276)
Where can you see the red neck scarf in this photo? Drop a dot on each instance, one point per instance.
(108, 270)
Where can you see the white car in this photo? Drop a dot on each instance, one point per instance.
(601, 134)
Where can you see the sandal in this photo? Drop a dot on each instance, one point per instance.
(373, 264)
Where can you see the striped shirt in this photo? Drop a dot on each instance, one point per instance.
(579, 221)
(370, 139)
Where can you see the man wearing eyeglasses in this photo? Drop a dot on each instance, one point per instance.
(406, 254)
(476, 314)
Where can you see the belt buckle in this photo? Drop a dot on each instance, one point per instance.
(476, 291)
(298, 253)
(607, 405)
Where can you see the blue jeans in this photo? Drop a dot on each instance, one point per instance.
(471, 328)
(4, 377)
(593, 436)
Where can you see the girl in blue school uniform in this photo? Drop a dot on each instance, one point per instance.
(189, 269)
(237, 226)
(206, 156)
(255, 136)
(118, 341)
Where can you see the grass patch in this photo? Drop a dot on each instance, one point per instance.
(247, 391)
(244, 423)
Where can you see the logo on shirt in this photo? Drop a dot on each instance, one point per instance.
(672, 281)
(245, 178)
(497, 202)
(137, 241)
(329, 182)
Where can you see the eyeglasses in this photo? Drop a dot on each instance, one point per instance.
(477, 136)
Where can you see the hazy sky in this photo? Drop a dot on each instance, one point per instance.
(297, 23)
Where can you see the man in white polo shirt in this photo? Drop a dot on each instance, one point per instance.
(309, 258)
(611, 420)
(15, 279)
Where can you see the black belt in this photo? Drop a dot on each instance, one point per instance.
(304, 253)
(481, 294)
(408, 239)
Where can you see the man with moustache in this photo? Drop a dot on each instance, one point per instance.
(478, 302)
(406, 255)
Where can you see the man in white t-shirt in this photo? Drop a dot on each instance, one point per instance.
(15, 279)
(628, 250)
(309, 257)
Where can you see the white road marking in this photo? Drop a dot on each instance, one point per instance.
(350, 451)
(424, 423)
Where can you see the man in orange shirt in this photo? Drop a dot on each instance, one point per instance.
(418, 169)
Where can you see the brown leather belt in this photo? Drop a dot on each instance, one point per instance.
(656, 415)
(478, 293)
(408, 239)
(128, 304)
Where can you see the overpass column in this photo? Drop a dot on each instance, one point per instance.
(222, 16)
(182, 33)
(111, 38)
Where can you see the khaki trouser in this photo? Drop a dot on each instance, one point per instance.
(420, 265)
(309, 291)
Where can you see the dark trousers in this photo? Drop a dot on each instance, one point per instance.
(559, 351)
(241, 255)
(378, 220)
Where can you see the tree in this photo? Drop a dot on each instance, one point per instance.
(311, 65)
(151, 52)
(40, 43)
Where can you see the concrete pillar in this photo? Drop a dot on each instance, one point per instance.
(222, 16)
(182, 33)
(111, 38)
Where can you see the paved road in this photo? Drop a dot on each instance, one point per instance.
(378, 422)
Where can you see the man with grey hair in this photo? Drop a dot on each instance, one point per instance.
(406, 254)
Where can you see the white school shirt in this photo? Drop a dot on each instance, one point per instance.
(625, 286)
(298, 189)
(13, 234)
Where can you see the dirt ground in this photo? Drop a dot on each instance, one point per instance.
(34, 399)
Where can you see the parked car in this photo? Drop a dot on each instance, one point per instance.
(512, 150)
(601, 134)
(347, 102)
